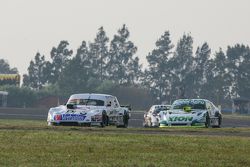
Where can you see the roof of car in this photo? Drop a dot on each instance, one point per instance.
(193, 99)
(90, 96)
(160, 106)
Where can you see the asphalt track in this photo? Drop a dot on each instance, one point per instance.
(136, 120)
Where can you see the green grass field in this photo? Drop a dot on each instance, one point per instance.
(32, 143)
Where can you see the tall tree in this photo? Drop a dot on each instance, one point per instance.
(72, 79)
(35, 77)
(181, 67)
(201, 68)
(238, 69)
(5, 68)
(218, 84)
(60, 56)
(79, 70)
(99, 52)
(122, 64)
(86, 60)
(158, 74)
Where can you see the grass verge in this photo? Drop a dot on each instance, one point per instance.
(32, 143)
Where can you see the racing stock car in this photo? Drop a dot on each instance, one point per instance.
(192, 112)
(90, 109)
(151, 117)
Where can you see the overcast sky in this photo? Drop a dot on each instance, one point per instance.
(28, 26)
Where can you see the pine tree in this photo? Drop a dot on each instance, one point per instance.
(35, 78)
(158, 74)
(99, 52)
(238, 70)
(201, 68)
(219, 84)
(77, 72)
(181, 67)
(122, 66)
(60, 56)
(5, 68)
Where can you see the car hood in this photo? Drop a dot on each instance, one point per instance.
(181, 116)
(180, 111)
(80, 109)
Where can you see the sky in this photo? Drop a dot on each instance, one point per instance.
(31, 26)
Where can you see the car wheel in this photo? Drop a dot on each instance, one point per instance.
(125, 121)
(219, 117)
(146, 122)
(150, 124)
(104, 119)
(144, 125)
(219, 121)
(207, 123)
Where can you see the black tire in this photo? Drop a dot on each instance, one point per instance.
(207, 123)
(145, 124)
(219, 121)
(125, 121)
(218, 115)
(104, 119)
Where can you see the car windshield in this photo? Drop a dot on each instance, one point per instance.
(87, 102)
(193, 103)
(161, 108)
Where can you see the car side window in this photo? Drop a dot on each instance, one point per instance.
(109, 104)
(115, 103)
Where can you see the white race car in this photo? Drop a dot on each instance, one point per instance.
(90, 109)
(151, 117)
(192, 112)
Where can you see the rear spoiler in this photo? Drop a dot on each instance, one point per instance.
(127, 106)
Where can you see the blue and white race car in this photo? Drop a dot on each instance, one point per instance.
(192, 112)
(90, 109)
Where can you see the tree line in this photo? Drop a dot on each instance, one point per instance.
(173, 71)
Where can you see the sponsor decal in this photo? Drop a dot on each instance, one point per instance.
(70, 117)
(58, 117)
(180, 119)
(187, 101)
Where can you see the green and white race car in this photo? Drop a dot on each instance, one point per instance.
(191, 112)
